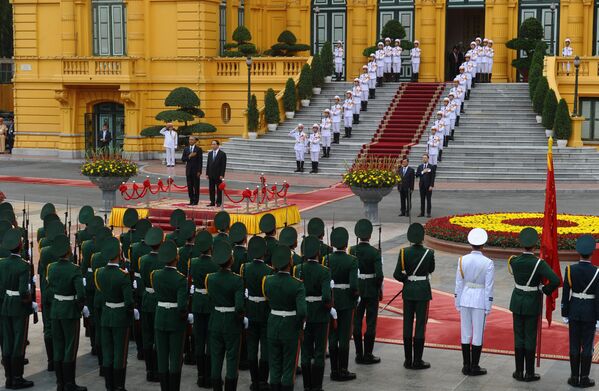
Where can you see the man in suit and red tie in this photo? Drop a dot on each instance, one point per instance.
(194, 159)
(215, 172)
(406, 186)
(426, 172)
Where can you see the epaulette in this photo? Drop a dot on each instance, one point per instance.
(509, 264)
(569, 275)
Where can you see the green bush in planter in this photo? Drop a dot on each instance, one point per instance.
(326, 55)
(304, 86)
(549, 109)
(563, 124)
(287, 45)
(394, 30)
(530, 34)
(289, 96)
(317, 71)
(271, 107)
(534, 75)
(253, 115)
(540, 92)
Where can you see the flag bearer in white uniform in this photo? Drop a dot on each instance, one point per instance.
(567, 52)
(357, 96)
(325, 131)
(372, 69)
(364, 80)
(170, 143)
(432, 146)
(336, 110)
(415, 55)
(338, 53)
(474, 281)
(380, 64)
(301, 141)
(388, 59)
(315, 140)
(397, 49)
(348, 113)
(489, 56)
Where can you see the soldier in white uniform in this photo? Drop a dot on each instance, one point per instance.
(567, 52)
(471, 67)
(397, 49)
(474, 281)
(301, 142)
(449, 114)
(415, 56)
(357, 96)
(336, 110)
(372, 82)
(459, 94)
(338, 53)
(482, 62)
(489, 56)
(348, 113)
(432, 146)
(380, 64)
(364, 80)
(325, 131)
(388, 59)
(315, 140)
(171, 139)
(442, 127)
(474, 59)
(465, 77)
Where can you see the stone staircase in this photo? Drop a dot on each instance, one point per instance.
(499, 140)
(273, 152)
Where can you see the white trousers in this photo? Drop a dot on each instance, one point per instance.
(415, 66)
(347, 121)
(326, 141)
(388, 65)
(364, 94)
(432, 159)
(372, 81)
(314, 155)
(357, 105)
(170, 156)
(299, 155)
(338, 67)
(380, 68)
(490, 67)
(473, 325)
(337, 127)
(397, 66)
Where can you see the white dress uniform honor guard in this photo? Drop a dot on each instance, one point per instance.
(474, 281)
(415, 56)
(325, 132)
(336, 110)
(315, 140)
(301, 141)
(338, 53)
(170, 143)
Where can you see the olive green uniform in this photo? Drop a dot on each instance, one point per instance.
(240, 256)
(87, 251)
(136, 251)
(271, 243)
(97, 261)
(147, 264)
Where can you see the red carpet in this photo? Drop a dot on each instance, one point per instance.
(443, 330)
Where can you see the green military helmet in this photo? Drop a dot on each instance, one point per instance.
(222, 221)
(222, 238)
(141, 228)
(53, 229)
(528, 237)
(311, 247)
(85, 214)
(222, 252)
(8, 214)
(130, 218)
(585, 245)
(167, 252)
(4, 206)
(47, 209)
(316, 227)
(111, 248)
(363, 229)
(256, 248)
(154, 236)
(61, 245)
(281, 256)
(12, 239)
(103, 234)
(177, 217)
(288, 236)
(339, 237)
(5, 225)
(94, 225)
(238, 232)
(203, 241)
(187, 229)
(415, 233)
(268, 223)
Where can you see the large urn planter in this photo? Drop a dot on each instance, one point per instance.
(252, 135)
(305, 102)
(539, 119)
(316, 90)
(108, 186)
(562, 143)
(328, 79)
(271, 127)
(371, 197)
(549, 133)
(289, 114)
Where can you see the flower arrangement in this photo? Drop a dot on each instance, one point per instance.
(373, 173)
(503, 228)
(109, 163)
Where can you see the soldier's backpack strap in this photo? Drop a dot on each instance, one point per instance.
(461, 269)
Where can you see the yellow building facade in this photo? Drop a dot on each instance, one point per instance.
(80, 64)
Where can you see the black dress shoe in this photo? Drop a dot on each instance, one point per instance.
(421, 215)
(218, 205)
(210, 204)
(401, 214)
(428, 215)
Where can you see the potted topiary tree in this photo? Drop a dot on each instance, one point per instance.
(328, 66)
(549, 108)
(540, 92)
(287, 45)
(317, 74)
(271, 110)
(529, 35)
(304, 86)
(242, 38)
(394, 30)
(290, 99)
(563, 124)
(253, 118)
(534, 75)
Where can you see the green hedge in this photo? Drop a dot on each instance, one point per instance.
(549, 109)
(304, 86)
(271, 108)
(563, 123)
(290, 96)
(540, 92)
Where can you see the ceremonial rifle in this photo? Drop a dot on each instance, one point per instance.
(33, 287)
(66, 219)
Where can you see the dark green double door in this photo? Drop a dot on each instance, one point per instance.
(105, 113)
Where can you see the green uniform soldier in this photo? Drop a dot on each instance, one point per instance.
(319, 301)
(414, 266)
(66, 284)
(171, 316)
(288, 238)
(287, 299)
(114, 284)
(147, 264)
(177, 218)
(16, 309)
(47, 209)
(187, 230)
(525, 304)
(238, 237)
(316, 228)
(344, 274)
(98, 260)
(199, 268)
(370, 284)
(5, 226)
(257, 310)
(225, 290)
(130, 218)
(268, 226)
(222, 222)
(86, 213)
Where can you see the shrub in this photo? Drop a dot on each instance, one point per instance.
(529, 36)
(304, 86)
(534, 75)
(287, 45)
(290, 96)
(326, 55)
(563, 124)
(549, 108)
(540, 92)
(242, 38)
(271, 107)
(242, 35)
(394, 30)
(317, 71)
(253, 115)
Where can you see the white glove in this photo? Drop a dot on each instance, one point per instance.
(192, 289)
(134, 284)
(597, 325)
(333, 313)
(566, 320)
(332, 284)
(246, 323)
(304, 326)
(84, 282)
(85, 312)
(29, 287)
(34, 306)
(359, 299)
(135, 314)
(190, 318)
(247, 293)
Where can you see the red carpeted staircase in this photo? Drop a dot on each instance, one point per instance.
(405, 120)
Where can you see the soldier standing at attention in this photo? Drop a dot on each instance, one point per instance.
(130, 218)
(415, 55)
(287, 299)
(268, 226)
(171, 316)
(319, 302)
(315, 141)
(414, 266)
(344, 274)
(316, 228)
(238, 236)
(580, 309)
(348, 113)
(372, 79)
(336, 109)
(187, 234)
(388, 59)
(357, 98)
(97, 261)
(222, 222)
(338, 53)
(301, 140)
(364, 79)
(474, 280)
(115, 285)
(288, 238)
(257, 310)
(325, 126)
(66, 284)
(525, 304)
(380, 63)
(397, 49)
(370, 283)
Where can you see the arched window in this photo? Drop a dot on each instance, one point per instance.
(225, 113)
(109, 25)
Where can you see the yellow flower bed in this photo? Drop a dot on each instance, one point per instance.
(499, 222)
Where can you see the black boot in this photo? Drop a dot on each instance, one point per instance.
(119, 376)
(207, 369)
(174, 381)
(217, 385)
(100, 358)
(370, 93)
(316, 378)
(163, 381)
(362, 102)
(7, 372)
(302, 166)
(109, 378)
(263, 368)
(324, 152)
(138, 340)
(476, 370)
(407, 348)
(366, 106)
(519, 358)
(151, 375)
(585, 369)
(357, 118)
(17, 367)
(530, 374)
(345, 136)
(297, 163)
(359, 348)
(254, 376)
(440, 155)
(68, 370)
(416, 78)
(313, 169)
(574, 379)
(349, 132)
(418, 351)
(58, 372)
(200, 369)
(373, 93)
(230, 384)
(457, 121)
(334, 359)
(49, 353)
(328, 151)
(369, 358)
(462, 108)
(344, 374)
(490, 75)
(307, 377)
(466, 359)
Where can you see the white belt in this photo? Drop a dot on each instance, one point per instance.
(527, 288)
(474, 285)
(417, 278)
(150, 290)
(64, 298)
(312, 299)
(167, 304)
(341, 286)
(137, 275)
(115, 305)
(583, 296)
(12, 293)
(257, 299)
(283, 313)
(225, 309)
(90, 270)
(366, 276)
(201, 291)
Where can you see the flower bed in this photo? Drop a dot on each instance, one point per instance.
(372, 173)
(108, 164)
(503, 228)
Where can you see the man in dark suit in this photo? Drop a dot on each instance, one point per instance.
(406, 186)
(426, 173)
(193, 158)
(455, 59)
(215, 172)
(105, 137)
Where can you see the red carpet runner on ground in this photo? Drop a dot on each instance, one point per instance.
(405, 120)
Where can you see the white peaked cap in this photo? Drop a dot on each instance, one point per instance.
(486, 40)
(472, 43)
(356, 79)
(315, 126)
(397, 40)
(417, 42)
(567, 40)
(348, 92)
(372, 55)
(326, 111)
(387, 39)
(477, 39)
(477, 237)
(434, 127)
(364, 66)
(447, 98)
(439, 112)
(300, 125)
(337, 97)
(379, 44)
